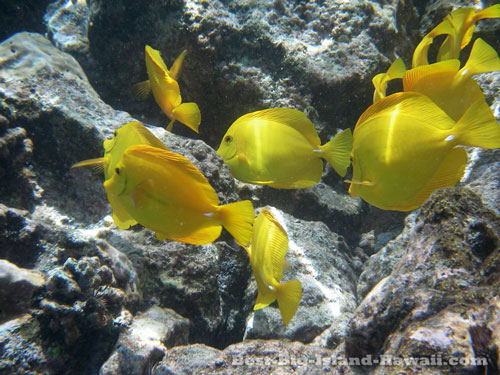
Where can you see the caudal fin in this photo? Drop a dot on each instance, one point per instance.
(478, 127)
(238, 218)
(188, 114)
(482, 59)
(337, 151)
(288, 295)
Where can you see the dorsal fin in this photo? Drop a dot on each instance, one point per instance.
(413, 76)
(409, 104)
(175, 70)
(148, 137)
(286, 116)
(155, 57)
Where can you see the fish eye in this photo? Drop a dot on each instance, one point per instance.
(117, 170)
(228, 138)
(115, 133)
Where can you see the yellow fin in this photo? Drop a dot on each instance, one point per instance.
(288, 295)
(413, 76)
(411, 104)
(449, 173)
(188, 114)
(147, 135)
(478, 127)
(286, 116)
(97, 164)
(155, 57)
(170, 125)
(420, 53)
(482, 59)
(338, 151)
(396, 70)
(301, 179)
(142, 90)
(121, 217)
(201, 236)
(175, 70)
(238, 218)
(264, 296)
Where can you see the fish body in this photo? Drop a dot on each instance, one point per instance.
(267, 255)
(279, 147)
(453, 88)
(132, 133)
(165, 193)
(166, 91)
(405, 147)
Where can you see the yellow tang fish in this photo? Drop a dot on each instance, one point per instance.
(132, 133)
(267, 255)
(459, 27)
(279, 147)
(405, 147)
(451, 88)
(165, 193)
(166, 90)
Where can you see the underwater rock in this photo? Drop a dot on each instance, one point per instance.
(381, 264)
(248, 55)
(146, 341)
(67, 25)
(450, 267)
(205, 284)
(320, 260)
(22, 351)
(17, 286)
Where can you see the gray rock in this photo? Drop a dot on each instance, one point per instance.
(22, 347)
(449, 267)
(146, 341)
(67, 25)
(185, 360)
(382, 263)
(17, 286)
(320, 260)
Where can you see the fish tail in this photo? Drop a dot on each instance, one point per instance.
(288, 295)
(188, 114)
(337, 151)
(482, 59)
(478, 127)
(237, 218)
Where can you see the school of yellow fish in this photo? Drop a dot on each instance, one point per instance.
(404, 147)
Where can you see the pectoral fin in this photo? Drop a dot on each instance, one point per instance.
(142, 90)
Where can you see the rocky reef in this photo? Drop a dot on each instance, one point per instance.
(383, 292)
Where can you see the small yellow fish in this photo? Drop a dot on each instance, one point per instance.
(267, 255)
(405, 147)
(165, 193)
(459, 27)
(451, 88)
(166, 90)
(132, 133)
(279, 147)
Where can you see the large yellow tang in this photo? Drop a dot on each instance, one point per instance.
(279, 147)
(166, 90)
(459, 27)
(132, 133)
(267, 254)
(451, 88)
(405, 147)
(165, 193)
